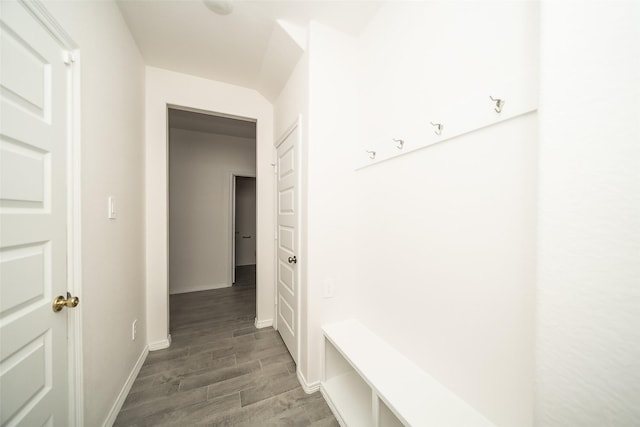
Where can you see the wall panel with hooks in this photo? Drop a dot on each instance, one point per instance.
(410, 83)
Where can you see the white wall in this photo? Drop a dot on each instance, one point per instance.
(112, 144)
(320, 89)
(446, 235)
(435, 250)
(440, 62)
(588, 333)
(245, 232)
(200, 168)
(330, 187)
(293, 100)
(448, 270)
(165, 88)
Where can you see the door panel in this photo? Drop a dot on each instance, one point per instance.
(286, 237)
(286, 277)
(33, 221)
(287, 213)
(22, 272)
(286, 315)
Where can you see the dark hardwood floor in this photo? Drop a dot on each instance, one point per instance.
(220, 370)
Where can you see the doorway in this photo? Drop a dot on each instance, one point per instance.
(244, 229)
(169, 90)
(288, 207)
(203, 149)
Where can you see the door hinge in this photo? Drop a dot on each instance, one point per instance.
(68, 57)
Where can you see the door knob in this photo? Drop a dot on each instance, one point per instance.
(292, 260)
(61, 302)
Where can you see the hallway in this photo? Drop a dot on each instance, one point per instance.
(220, 370)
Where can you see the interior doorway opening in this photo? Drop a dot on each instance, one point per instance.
(243, 202)
(206, 154)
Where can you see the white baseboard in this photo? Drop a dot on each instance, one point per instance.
(306, 386)
(117, 405)
(263, 323)
(198, 288)
(160, 345)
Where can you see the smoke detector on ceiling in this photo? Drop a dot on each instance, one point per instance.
(221, 7)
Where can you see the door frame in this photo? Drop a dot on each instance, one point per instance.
(231, 174)
(295, 127)
(74, 212)
(168, 89)
(74, 247)
(232, 218)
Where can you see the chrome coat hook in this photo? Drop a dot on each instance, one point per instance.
(499, 103)
(372, 154)
(438, 126)
(400, 143)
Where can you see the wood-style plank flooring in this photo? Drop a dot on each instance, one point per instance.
(220, 370)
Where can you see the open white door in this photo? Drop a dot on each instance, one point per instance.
(287, 247)
(34, 133)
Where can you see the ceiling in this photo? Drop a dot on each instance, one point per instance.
(202, 122)
(256, 46)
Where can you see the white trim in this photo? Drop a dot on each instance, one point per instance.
(175, 106)
(274, 164)
(263, 323)
(74, 242)
(232, 229)
(198, 288)
(117, 405)
(207, 95)
(306, 386)
(160, 345)
(299, 241)
(232, 218)
(212, 113)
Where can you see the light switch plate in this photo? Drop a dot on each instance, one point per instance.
(111, 213)
(329, 288)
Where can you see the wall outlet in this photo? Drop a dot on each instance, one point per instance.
(329, 289)
(134, 329)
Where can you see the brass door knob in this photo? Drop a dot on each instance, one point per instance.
(61, 302)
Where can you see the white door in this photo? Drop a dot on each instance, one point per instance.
(287, 242)
(34, 133)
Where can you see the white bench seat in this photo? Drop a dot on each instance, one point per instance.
(368, 383)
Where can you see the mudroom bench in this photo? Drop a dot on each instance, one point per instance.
(368, 383)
